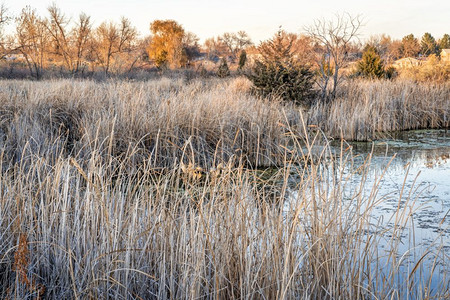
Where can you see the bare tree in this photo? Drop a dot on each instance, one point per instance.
(81, 34)
(127, 35)
(242, 40)
(60, 38)
(32, 40)
(235, 42)
(4, 19)
(111, 40)
(389, 49)
(106, 41)
(334, 37)
(303, 48)
(214, 47)
(69, 45)
(190, 47)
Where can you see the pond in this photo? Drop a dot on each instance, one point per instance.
(410, 216)
(421, 163)
(416, 166)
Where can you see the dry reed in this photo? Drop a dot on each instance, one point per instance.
(162, 119)
(78, 222)
(364, 109)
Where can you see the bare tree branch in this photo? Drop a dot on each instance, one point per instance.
(334, 37)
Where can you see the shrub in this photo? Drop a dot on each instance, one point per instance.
(432, 70)
(390, 72)
(223, 70)
(201, 70)
(279, 74)
(287, 81)
(242, 60)
(371, 65)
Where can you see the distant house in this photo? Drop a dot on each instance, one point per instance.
(407, 62)
(203, 62)
(445, 55)
(14, 57)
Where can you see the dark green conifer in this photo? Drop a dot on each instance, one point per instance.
(428, 45)
(444, 42)
(242, 60)
(277, 73)
(223, 70)
(410, 46)
(371, 64)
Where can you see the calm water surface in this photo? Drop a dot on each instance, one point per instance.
(417, 180)
(421, 168)
(414, 172)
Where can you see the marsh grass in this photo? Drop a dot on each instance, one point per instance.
(166, 120)
(365, 110)
(89, 208)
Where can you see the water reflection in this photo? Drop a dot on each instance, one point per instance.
(421, 163)
(420, 172)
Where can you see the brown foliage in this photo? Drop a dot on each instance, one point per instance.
(21, 266)
(21, 260)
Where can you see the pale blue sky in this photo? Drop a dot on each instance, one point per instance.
(260, 18)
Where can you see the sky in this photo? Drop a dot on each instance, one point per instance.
(260, 19)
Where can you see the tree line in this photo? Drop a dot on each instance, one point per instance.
(409, 46)
(76, 47)
(57, 44)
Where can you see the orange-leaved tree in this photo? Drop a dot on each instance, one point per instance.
(166, 46)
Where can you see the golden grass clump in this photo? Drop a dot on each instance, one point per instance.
(432, 70)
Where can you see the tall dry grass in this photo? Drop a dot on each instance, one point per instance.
(72, 232)
(363, 109)
(162, 120)
(87, 212)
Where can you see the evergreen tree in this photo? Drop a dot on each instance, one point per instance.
(242, 59)
(371, 65)
(279, 48)
(428, 45)
(279, 74)
(223, 70)
(289, 82)
(410, 46)
(444, 42)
